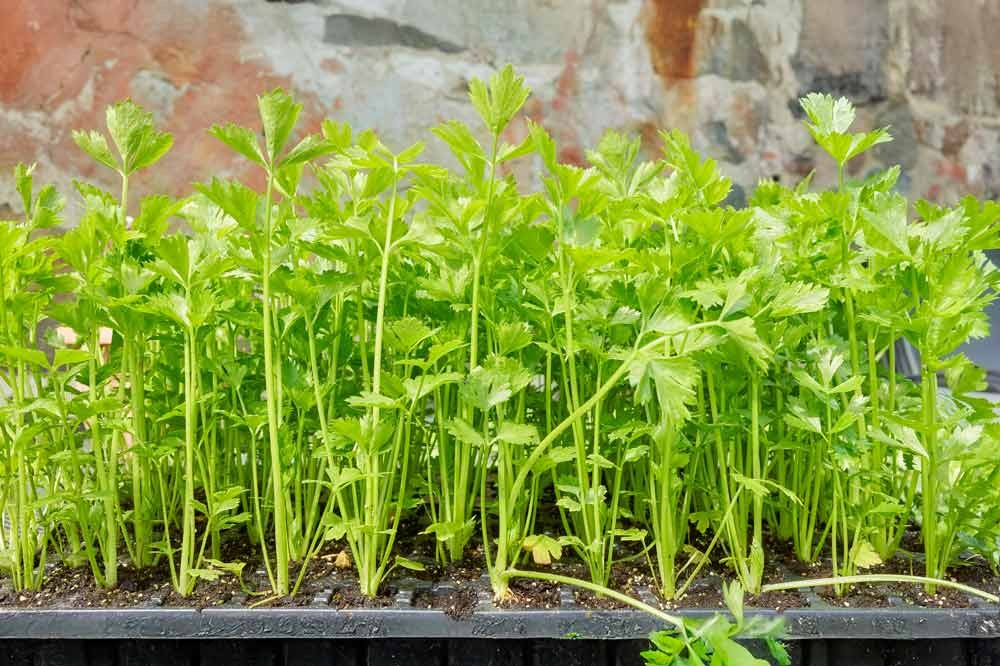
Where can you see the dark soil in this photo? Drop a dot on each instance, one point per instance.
(457, 604)
(531, 594)
(456, 588)
(350, 597)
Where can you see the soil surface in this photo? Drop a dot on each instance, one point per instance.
(459, 588)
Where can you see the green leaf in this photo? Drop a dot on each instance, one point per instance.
(778, 651)
(508, 152)
(154, 216)
(755, 486)
(864, 556)
(886, 217)
(631, 534)
(369, 400)
(462, 431)
(731, 653)
(829, 121)
(732, 593)
(205, 574)
(24, 355)
(569, 504)
(278, 113)
(499, 102)
(23, 182)
(544, 145)
(406, 563)
(799, 298)
(744, 333)
(543, 548)
(849, 385)
(139, 143)
(463, 146)
(235, 199)
(94, 144)
(799, 418)
(65, 357)
(241, 139)
(423, 385)
(963, 376)
(826, 114)
(517, 433)
(308, 149)
(599, 461)
(446, 531)
(410, 154)
(174, 261)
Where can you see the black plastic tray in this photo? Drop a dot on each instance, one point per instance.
(818, 634)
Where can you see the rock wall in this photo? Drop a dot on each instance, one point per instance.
(729, 72)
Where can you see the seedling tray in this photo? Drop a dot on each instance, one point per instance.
(818, 634)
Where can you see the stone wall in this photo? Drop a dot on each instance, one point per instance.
(729, 72)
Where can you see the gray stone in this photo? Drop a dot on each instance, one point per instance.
(902, 150)
(842, 48)
(353, 30)
(721, 145)
(516, 31)
(727, 47)
(953, 54)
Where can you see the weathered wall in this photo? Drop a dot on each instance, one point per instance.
(727, 71)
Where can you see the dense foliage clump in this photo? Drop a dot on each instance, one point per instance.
(619, 352)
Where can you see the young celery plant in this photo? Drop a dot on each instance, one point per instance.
(279, 114)
(950, 281)
(577, 319)
(374, 492)
(470, 223)
(84, 249)
(721, 285)
(139, 145)
(128, 289)
(189, 267)
(28, 436)
(829, 121)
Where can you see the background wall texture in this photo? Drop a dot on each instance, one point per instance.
(728, 72)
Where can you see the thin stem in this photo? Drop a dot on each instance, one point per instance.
(273, 408)
(878, 578)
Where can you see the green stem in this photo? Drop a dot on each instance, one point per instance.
(598, 589)
(878, 578)
(273, 407)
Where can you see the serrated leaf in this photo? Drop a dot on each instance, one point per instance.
(501, 100)
(543, 548)
(569, 504)
(235, 199)
(744, 332)
(308, 149)
(461, 430)
(517, 433)
(826, 114)
(369, 400)
(94, 144)
(799, 298)
(278, 114)
(423, 385)
(139, 143)
(865, 556)
(241, 139)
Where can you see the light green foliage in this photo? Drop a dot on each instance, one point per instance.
(590, 372)
(829, 122)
